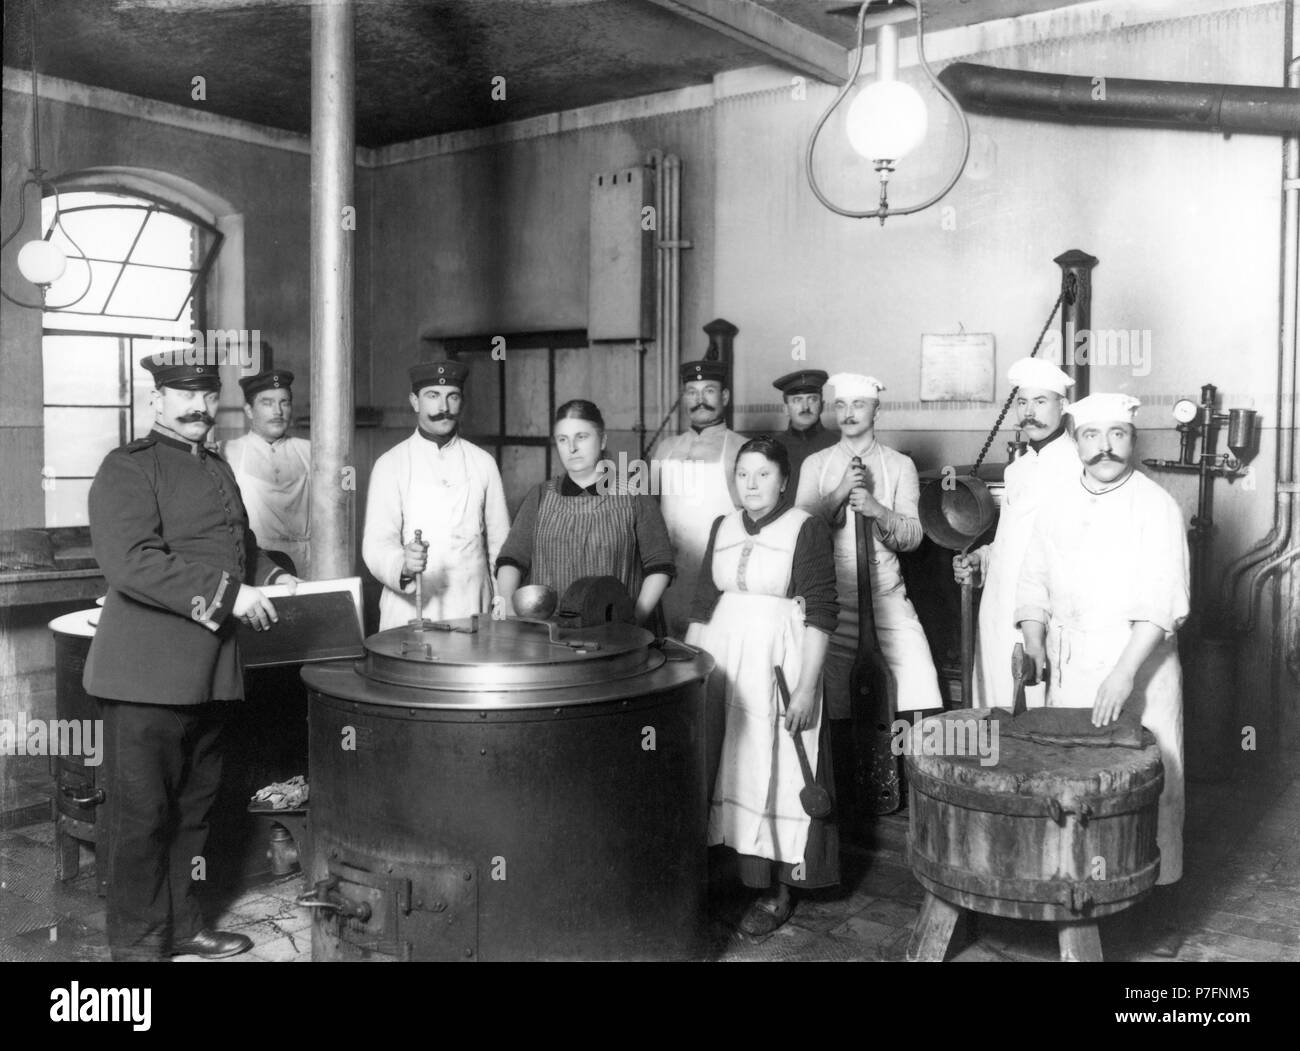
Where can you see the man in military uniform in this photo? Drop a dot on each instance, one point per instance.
(273, 469)
(171, 535)
(802, 393)
(698, 469)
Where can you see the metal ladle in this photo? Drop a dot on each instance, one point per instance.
(956, 511)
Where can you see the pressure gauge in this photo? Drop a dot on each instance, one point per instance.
(1186, 410)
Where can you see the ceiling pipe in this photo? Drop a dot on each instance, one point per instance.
(1114, 100)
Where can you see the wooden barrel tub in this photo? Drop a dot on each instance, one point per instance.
(1043, 832)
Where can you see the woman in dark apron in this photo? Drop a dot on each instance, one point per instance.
(586, 523)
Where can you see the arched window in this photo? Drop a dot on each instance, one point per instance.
(145, 263)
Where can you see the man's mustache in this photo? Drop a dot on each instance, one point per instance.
(703, 405)
(196, 417)
(453, 416)
(1105, 456)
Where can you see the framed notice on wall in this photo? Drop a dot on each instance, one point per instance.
(957, 367)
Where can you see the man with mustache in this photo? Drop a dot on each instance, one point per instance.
(169, 531)
(886, 489)
(436, 482)
(802, 394)
(1102, 592)
(273, 468)
(1031, 478)
(697, 472)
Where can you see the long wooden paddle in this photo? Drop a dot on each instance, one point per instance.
(873, 696)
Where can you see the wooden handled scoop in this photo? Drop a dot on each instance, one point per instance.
(816, 800)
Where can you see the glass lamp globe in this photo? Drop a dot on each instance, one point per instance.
(886, 121)
(41, 262)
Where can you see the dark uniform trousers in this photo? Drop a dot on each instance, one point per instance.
(170, 533)
(162, 768)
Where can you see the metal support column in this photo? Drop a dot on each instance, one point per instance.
(333, 475)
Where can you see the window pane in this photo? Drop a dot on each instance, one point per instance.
(77, 440)
(65, 502)
(83, 370)
(100, 233)
(73, 283)
(146, 291)
(167, 240)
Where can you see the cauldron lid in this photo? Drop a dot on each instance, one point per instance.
(476, 654)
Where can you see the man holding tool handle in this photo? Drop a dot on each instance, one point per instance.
(450, 491)
(882, 488)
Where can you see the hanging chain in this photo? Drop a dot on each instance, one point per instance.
(1006, 407)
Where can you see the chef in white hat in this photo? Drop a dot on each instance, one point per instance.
(886, 489)
(1051, 459)
(1102, 592)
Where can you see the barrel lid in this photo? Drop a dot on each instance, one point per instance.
(478, 653)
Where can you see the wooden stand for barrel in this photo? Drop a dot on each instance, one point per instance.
(1045, 832)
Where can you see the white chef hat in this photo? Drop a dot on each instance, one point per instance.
(1038, 374)
(850, 385)
(1104, 408)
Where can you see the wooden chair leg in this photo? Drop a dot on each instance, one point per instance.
(933, 930)
(1080, 942)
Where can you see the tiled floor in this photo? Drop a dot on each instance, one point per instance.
(1239, 900)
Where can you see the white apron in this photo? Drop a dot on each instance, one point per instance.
(438, 497)
(1097, 564)
(276, 488)
(902, 638)
(1080, 658)
(689, 516)
(1029, 485)
(755, 806)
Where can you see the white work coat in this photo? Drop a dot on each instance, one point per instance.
(454, 496)
(893, 481)
(275, 482)
(1096, 565)
(1031, 480)
(697, 478)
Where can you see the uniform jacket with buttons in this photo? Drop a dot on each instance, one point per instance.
(170, 533)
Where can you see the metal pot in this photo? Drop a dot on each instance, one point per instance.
(508, 790)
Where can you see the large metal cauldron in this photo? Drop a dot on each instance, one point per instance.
(508, 790)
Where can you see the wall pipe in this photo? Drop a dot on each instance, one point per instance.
(655, 161)
(668, 282)
(1284, 506)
